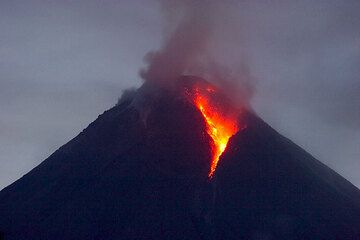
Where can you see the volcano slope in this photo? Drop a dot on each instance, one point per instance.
(140, 171)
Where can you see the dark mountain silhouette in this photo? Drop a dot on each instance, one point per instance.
(140, 172)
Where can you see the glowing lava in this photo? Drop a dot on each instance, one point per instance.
(221, 121)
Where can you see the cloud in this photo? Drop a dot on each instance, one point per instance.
(196, 36)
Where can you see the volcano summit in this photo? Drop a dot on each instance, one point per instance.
(183, 163)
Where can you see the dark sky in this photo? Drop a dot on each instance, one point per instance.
(64, 62)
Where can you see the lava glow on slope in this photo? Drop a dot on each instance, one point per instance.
(220, 117)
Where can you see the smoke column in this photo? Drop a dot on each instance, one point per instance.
(196, 35)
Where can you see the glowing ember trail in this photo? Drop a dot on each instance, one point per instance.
(221, 124)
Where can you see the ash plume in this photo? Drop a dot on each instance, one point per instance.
(197, 37)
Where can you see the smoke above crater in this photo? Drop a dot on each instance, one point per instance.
(201, 38)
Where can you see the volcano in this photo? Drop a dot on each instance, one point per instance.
(180, 163)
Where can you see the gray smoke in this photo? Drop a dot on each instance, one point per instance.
(197, 36)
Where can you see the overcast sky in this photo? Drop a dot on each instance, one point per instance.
(62, 63)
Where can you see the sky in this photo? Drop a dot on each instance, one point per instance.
(62, 63)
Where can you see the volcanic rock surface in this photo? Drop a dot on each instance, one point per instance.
(140, 171)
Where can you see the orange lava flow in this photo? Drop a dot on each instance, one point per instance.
(220, 126)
